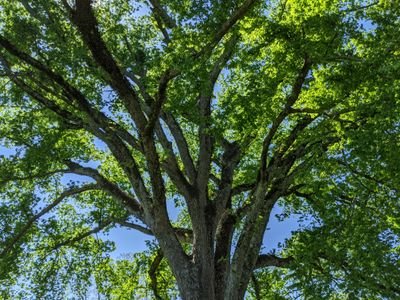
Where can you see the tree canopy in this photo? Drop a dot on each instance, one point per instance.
(113, 110)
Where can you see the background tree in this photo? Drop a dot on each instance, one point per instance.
(228, 108)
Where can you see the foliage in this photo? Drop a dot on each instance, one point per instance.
(112, 109)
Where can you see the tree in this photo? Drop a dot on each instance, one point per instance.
(226, 108)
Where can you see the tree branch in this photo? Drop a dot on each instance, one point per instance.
(243, 188)
(160, 11)
(137, 227)
(183, 234)
(270, 260)
(170, 164)
(82, 236)
(33, 219)
(122, 197)
(182, 145)
(153, 272)
(227, 25)
(230, 160)
(206, 140)
(98, 122)
(28, 177)
(160, 98)
(85, 20)
(47, 103)
(294, 95)
(71, 91)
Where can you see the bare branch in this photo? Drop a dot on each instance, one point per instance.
(122, 197)
(137, 227)
(270, 260)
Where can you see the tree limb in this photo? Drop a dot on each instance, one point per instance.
(183, 234)
(98, 122)
(153, 272)
(294, 95)
(241, 188)
(82, 236)
(33, 219)
(182, 145)
(137, 227)
(85, 20)
(28, 177)
(121, 196)
(270, 260)
(160, 11)
(206, 140)
(159, 100)
(227, 26)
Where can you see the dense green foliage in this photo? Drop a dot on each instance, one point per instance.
(307, 91)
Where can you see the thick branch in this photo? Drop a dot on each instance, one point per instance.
(182, 145)
(230, 159)
(122, 197)
(71, 91)
(183, 234)
(241, 188)
(137, 227)
(270, 260)
(64, 114)
(298, 128)
(85, 20)
(98, 122)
